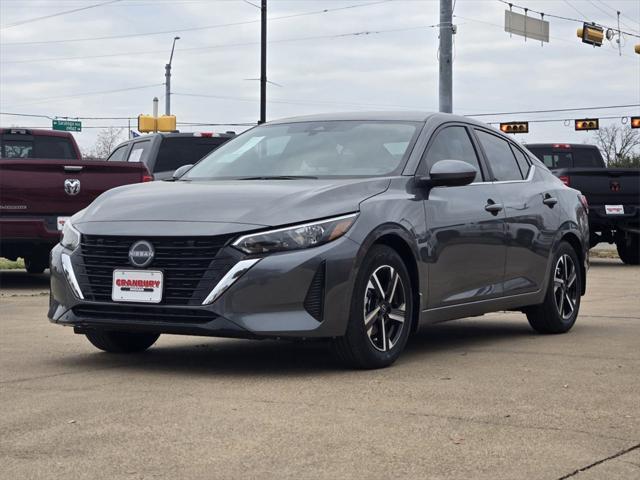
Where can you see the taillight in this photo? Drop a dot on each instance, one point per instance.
(565, 179)
(147, 178)
(584, 202)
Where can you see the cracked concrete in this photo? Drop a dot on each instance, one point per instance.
(475, 398)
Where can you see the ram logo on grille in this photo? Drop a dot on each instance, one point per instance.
(141, 253)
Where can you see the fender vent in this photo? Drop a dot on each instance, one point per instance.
(314, 301)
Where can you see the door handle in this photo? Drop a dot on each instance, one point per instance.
(549, 201)
(72, 168)
(493, 207)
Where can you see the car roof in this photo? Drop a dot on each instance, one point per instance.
(37, 131)
(398, 116)
(564, 145)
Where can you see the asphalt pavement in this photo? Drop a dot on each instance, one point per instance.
(481, 398)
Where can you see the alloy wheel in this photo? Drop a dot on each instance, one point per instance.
(384, 308)
(565, 286)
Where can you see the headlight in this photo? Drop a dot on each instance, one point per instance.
(297, 237)
(70, 236)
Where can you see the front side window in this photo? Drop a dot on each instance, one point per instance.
(312, 149)
(500, 157)
(453, 143)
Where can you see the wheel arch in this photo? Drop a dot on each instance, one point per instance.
(397, 238)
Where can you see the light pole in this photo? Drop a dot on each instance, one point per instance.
(167, 82)
(263, 61)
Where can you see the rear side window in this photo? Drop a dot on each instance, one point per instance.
(453, 143)
(500, 157)
(178, 151)
(522, 161)
(36, 146)
(139, 151)
(118, 154)
(569, 157)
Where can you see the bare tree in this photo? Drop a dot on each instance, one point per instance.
(107, 140)
(618, 144)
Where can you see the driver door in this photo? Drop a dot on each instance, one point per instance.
(466, 244)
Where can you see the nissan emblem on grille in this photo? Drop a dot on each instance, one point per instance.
(72, 186)
(615, 186)
(141, 253)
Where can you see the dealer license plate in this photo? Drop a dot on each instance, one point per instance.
(614, 209)
(143, 286)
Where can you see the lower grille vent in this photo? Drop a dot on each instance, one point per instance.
(314, 301)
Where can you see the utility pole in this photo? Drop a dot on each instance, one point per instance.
(167, 81)
(263, 62)
(445, 82)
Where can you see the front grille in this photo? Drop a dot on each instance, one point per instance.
(144, 314)
(191, 266)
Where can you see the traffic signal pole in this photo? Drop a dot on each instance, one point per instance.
(263, 62)
(445, 80)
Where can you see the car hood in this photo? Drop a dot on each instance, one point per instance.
(249, 202)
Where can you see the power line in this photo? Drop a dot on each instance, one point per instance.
(192, 29)
(612, 16)
(621, 13)
(554, 110)
(66, 12)
(362, 33)
(103, 92)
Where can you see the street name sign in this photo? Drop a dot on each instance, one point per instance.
(67, 125)
(526, 26)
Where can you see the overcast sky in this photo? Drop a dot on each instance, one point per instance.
(319, 68)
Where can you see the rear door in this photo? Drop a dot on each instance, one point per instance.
(532, 214)
(466, 244)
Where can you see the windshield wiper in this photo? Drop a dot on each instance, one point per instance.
(280, 177)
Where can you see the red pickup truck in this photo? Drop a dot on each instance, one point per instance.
(43, 181)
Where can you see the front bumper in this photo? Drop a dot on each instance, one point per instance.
(271, 299)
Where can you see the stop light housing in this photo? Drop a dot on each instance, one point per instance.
(587, 124)
(514, 127)
(591, 34)
(146, 123)
(167, 123)
(635, 122)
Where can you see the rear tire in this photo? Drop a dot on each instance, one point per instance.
(629, 249)
(36, 263)
(381, 312)
(121, 342)
(561, 305)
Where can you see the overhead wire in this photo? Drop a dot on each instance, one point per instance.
(66, 12)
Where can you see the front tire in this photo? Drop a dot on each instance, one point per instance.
(36, 264)
(559, 311)
(121, 342)
(629, 249)
(381, 312)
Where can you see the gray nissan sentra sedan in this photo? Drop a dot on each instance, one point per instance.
(353, 228)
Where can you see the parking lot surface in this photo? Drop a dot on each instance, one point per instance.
(475, 398)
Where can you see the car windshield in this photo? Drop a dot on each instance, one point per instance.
(311, 149)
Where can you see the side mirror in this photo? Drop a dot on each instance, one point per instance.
(181, 171)
(449, 173)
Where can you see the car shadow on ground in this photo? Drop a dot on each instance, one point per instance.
(283, 358)
(19, 281)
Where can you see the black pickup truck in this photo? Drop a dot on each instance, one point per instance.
(613, 193)
(164, 153)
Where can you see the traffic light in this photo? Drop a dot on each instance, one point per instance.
(514, 127)
(635, 122)
(166, 123)
(591, 34)
(637, 49)
(587, 124)
(146, 123)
